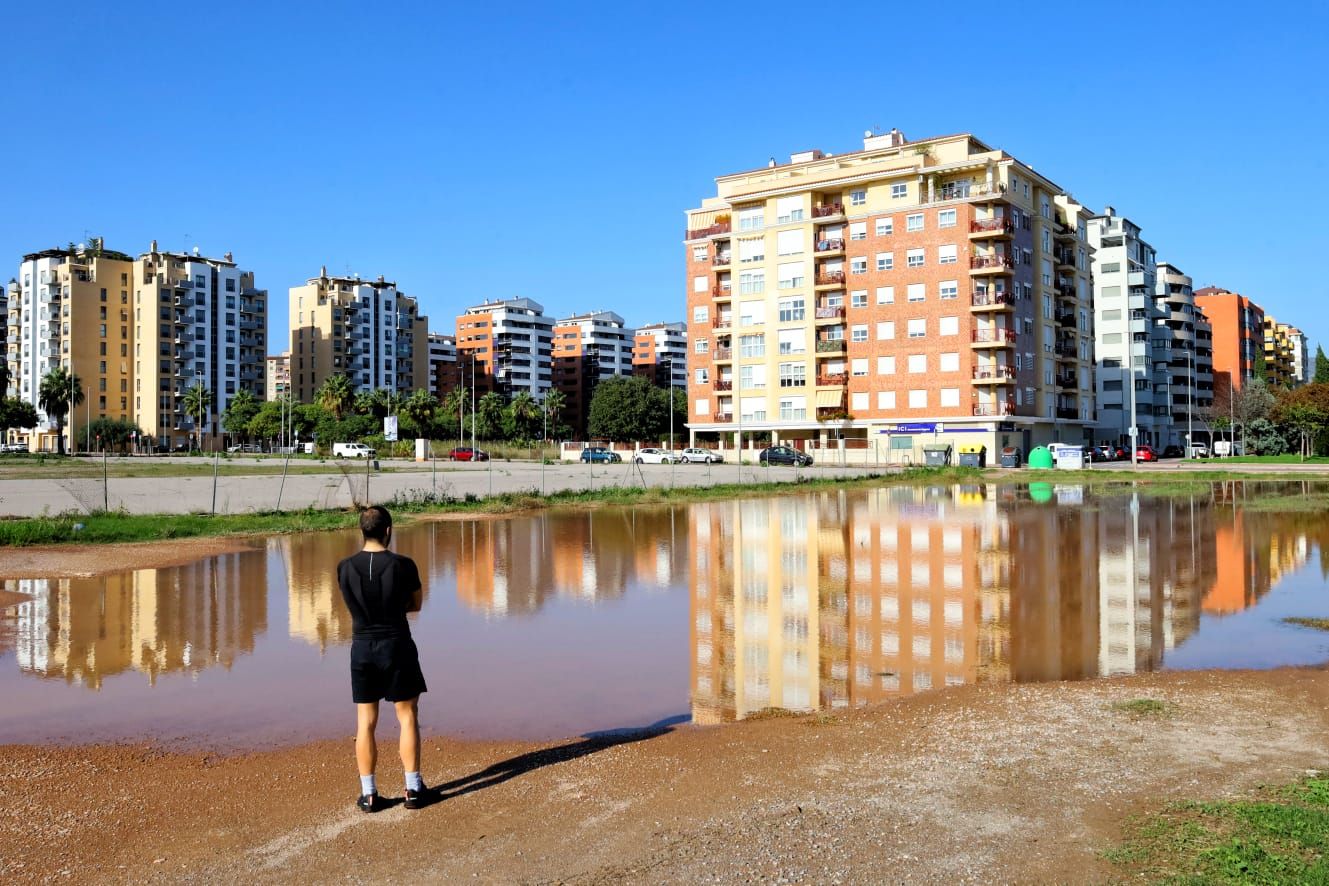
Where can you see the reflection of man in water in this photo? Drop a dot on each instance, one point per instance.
(379, 588)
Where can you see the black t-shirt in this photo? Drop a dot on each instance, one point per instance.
(378, 588)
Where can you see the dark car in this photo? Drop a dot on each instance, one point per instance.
(1146, 453)
(784, 455)
(1114, 452)
(599, 454)
(466, 453)
(1173, 451)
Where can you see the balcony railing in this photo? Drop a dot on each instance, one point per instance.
(1066, 318)
(827, 209)
(991, 261)
(830, 346)
(724, 417)
(981, 225)
(1064, 257)
(1000, 372)
(711, 231)
(1067, 412)
(998, 408)
(723, 384)
(1068, 381)
(830, 412)
(832, 245)
(964, 191)
(830, 313)
(722, 258)
(829, 278)
(987, 299)
(721, 291)
(1064, 349)
(722, 322)
(994, 335)
(723, 354)
(834, 379)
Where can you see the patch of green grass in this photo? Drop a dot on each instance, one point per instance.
(105, 527)
(1320, 624)
(1275, 460)
(1143, 707)
(1279, 835)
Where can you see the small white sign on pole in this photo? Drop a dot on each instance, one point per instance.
(1068, 458)
(390, 428)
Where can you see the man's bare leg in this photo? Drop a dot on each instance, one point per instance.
(410, 733)
(366, 750)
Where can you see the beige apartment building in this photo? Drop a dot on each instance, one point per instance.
(937, 288)
(365, 329)
(277, 372)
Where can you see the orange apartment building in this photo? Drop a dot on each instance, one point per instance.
(587, 349)
(506, 346)
(1238, 337)
(926, 287)
(660, 353)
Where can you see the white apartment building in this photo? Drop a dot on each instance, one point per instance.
(1301, 362)
(1132, 359)
(511, 340)
(1185, 339)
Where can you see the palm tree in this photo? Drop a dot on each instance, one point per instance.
(197, 404)
(239, 411)
(336, 395)
(555, 402)
(419, 409)
(60, 390)
(524, 411)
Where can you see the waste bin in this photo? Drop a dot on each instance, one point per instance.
(937, 455)
(1040, 457)
(1010, 456)
(973, 455)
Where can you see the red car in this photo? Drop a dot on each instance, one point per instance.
(1146, 453)
(466, 453)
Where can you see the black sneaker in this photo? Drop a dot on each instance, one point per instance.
(368, 803)
(417, 799)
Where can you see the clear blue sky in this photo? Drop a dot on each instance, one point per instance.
(549, 150)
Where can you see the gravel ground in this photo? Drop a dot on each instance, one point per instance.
(972, 784)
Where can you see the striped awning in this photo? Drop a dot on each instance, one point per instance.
(829, 398)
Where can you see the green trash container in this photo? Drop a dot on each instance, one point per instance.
(973, 455)
(1040, 457)
(937, 455)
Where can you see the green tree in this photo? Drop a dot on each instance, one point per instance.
(489, 416)
(4, 378)
(336, 395)
(1259, 370)
(1321, 365)
(555, 402)
(60, 390)
(16, 413)
(113, 433)
(197, 403)
(239, 412)
(266, 422)
(1308, 422)
(419, 409)
(523, 418)
(628, 408)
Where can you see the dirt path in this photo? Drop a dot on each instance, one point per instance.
(80, 561)
(980, 783)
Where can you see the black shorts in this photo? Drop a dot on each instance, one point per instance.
(385, 668)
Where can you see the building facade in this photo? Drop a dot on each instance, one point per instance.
(277, 372)
(508, 346)
(1184, 339)
(443, 375)
(367, 330)
(660, 353)
(587, 349)
(1301, 358)
(934, 287)
(1238, 337)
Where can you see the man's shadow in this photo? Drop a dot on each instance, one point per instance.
(524, 763)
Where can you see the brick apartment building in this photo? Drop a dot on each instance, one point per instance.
(506, 346)
(931, 287)
(588, 348)
(660, 353)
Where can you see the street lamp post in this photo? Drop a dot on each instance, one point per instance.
(1190, 401)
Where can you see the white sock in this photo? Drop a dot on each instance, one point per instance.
(367, 785)
(414, 782)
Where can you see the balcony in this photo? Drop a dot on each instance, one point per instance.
(724, 417)
(997, 301)
(827, 210)
(723, 354)
(966, 191)
(991, 263)
(1066, 318)
(1065, 232)
(1065, 259)
(832, 245)
(1000, 407)
(991, 227)
(721, 291)
(723, 384)
(711, 231)
(830, 346)
(1064, 349)
(1068, 380)
(1067, 412)
(998, 337)
(722, 259)
(830, 313)
(830, 413)
(833, 380)
(831, 278)
(995, 374)
(722, 322)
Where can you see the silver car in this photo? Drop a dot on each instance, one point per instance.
(694, 455)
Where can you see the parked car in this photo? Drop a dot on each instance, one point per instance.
(352, 450)
(704, 456)
(784, 455)
(14, 447)
(1146, 453)
(466, 453)
(245, 447)
(1113, 452)
(1171, 451)
(651, 456)
(1199, 450)
(600, 454)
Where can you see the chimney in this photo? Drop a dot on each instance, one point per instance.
(229, 257)
(1109, 211)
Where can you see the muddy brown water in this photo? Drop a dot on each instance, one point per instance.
(567, 622)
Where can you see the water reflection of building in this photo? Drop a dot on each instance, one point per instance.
(1252, 551)
(315, 611)
(156, 621)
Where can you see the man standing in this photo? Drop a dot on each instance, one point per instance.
(379, 588)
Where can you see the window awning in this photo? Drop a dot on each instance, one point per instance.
(829, 398)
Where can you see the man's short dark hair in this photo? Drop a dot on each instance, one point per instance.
(375, 521)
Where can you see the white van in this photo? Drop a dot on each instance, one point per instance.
(352, 450)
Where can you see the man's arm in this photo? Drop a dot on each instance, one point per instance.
(418, 595)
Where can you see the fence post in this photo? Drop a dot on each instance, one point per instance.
(216, 461)
(106, 489)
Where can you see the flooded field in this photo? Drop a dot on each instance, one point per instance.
(564, 622)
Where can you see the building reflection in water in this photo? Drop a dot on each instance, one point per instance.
(155, 621)
(851, 598)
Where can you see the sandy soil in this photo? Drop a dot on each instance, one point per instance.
(980, 783)
(81, 561)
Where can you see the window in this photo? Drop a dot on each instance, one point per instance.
(751, 377)
(948, 289)
(858, 400)
(793, 375)
(789, 242)
(946, 218)
(948, 326)
(950, 396)
(788, 209)
(789, 275)
(858, 299)
(752, 408)
(885, 295)
(885, 366)
(946, 255)
(793, 408)
(752, 249)
(885, 227)
(916, 292)
(699, 284)
(913, 221)
(858, 366)
(701, 346)
(918, 327)
(752, 346)
(858, 230)
(918, 399)
(858, 332)
(885, 399)
(886, 330)
(899, 191)
(751, 313)
(1047, 272)
(858, 197)
(858, 265)
(792, 309)
(885, 261)
(918, 363)
(793, 341)
(701, 314)
(703, 376)
(914, 258)
(701, 253)
(751, 219)
(751, 282)
(949, 362)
